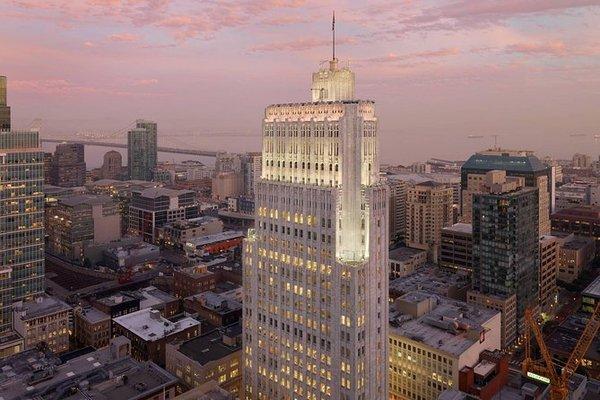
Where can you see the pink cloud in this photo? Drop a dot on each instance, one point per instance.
(393, 57)
(554, 48)
(146, 82)
(124, 37)
(299, 44)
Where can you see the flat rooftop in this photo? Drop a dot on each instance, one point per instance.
(404, 253)
(459, 228)
(191, 223)
(86, 199)
(161, 191)
(217, 237)
(151, 296)
(593, 289)
(210, 347)
(443, 327)
(430, 278)
(40, 306)
(150, 326)
(115, 299)
(28, 375)
(93, 315)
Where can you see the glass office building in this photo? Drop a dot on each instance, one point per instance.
(505, 245)
(21, 220)
(142, 150)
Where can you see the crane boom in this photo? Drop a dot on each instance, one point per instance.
(588, 335)
(559, 384)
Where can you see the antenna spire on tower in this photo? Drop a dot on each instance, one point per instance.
(333, 33)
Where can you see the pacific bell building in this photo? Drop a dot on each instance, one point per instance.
(315, 267)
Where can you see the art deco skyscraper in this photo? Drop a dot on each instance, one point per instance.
(315, 267)
(21, 221)
(142, 150)
(4, 108)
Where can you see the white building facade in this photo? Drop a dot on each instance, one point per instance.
(315, 267)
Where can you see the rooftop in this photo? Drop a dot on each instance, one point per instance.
(430, 278)
(217, 302)
(99, 375)
(161, 191)
(211, 347)
(115, 299)
(507, 160)
(578, 243)
(93, 315)
(40, 306)
(149, 325)
(593, 289)
(85, 199)
(460, 228)
(404, 253)
(585, 213)
(192, 222)
(217, 237)
(151, 296)
(450, 326)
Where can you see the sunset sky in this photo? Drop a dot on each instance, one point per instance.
(527, 70)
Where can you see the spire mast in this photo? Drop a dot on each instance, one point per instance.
(333, 33)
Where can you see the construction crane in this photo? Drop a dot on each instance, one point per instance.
(559, 382)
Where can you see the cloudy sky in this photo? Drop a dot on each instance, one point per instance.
(439, 70)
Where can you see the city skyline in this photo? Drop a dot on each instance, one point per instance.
(439, 71)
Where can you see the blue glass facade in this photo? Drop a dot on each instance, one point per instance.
(505, 245)
(21, 220)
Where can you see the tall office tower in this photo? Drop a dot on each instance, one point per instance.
(68, 165)
(428, 210)
(505, 239)
(514, 163)
(142, 150)
(112, 165)
(21, 220)
(315, 267)
(398, 198)
(4, 108)
(251, 165)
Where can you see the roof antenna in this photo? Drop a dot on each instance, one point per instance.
(333, 33)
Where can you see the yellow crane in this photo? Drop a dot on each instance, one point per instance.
(559, 382)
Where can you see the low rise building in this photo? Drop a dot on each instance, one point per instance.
(214, 244)
(506, 305)
(150, 209)
(79, 221)
(576, 253)
(405, 261)
(456, 249)
(215, 308)
(151, 297)
(591, 296)
(213, 356)
(571, 195)
(149, 333)
(434, 280)
(44, 319)
(117, 304)
(107, 373)
(193, 280)
(431, 339)
(176, 234)
(581, 221)
(92, 327)
(487, 377)
(128, 255)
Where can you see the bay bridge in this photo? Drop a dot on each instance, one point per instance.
(205, 153)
